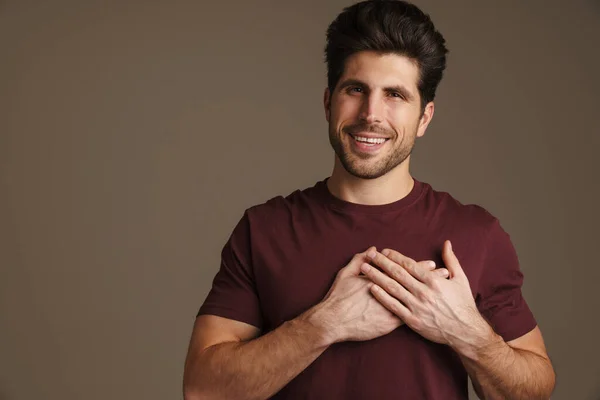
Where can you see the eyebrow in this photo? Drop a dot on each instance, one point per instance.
(389, 89)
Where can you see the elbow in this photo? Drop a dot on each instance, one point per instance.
(194, 394)
(194, 391)
(191, 395)
(193, 386)
(551, 383)
(197, 386)
(546, 387)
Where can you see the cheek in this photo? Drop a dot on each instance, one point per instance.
(338, 116)
(404, 121)
(345, 107)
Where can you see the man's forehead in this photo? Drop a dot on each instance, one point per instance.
(382, 70)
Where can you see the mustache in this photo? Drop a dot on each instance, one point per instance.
(363, 127)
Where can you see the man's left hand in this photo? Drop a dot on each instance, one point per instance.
(441, 310)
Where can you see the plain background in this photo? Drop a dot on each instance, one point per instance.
(134, 134)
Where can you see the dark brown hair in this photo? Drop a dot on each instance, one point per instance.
(387, 26)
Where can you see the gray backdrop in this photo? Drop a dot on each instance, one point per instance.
(134, 134)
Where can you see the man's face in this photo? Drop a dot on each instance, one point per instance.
(374, 113)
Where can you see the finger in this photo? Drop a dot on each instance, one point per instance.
(390, 302)
(395, 271)
(452, 262)
(427, 264)
(441, 273)
(415, 269)
(353, 267)
(388, 284)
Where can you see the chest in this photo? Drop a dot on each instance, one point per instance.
(296, 265)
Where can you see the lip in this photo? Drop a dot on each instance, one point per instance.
(362, 147)
(368, 135)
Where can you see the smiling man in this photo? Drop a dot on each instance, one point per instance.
(370, 284)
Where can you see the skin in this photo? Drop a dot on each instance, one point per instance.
(444, 311)
(230, 359)
(379, 92)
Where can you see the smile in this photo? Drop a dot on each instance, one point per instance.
(369, 140)
(362, 144)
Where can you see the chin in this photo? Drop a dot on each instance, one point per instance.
(364, 172)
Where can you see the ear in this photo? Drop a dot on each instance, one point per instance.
(327, 103)
(425, 118)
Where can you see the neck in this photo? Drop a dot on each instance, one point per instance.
(386, 189)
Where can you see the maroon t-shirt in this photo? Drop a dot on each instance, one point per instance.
(283, 256)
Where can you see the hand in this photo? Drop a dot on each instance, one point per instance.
(350, 312)
(441, 310)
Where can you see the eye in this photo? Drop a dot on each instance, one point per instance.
(396, 94)
(355, 89)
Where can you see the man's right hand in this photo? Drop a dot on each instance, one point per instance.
(349, 312)
(230, 359)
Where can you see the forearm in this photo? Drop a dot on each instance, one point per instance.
(259, 368)
(499, 371)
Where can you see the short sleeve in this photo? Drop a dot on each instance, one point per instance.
(501, 302)
(233, 293)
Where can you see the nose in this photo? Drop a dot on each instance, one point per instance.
(371, 109)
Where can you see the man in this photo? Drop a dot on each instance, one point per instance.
(370, 285)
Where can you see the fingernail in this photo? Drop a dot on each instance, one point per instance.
(431, 264)
(365, 268)
(371, 254)
(386, 252)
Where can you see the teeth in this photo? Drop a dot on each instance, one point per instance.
(369, 140)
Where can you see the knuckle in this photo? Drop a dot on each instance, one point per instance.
(418, 271)
(390, 287)
(411, 264)
(395, 257)
(341, 274)
(415, 324)
(395, 273)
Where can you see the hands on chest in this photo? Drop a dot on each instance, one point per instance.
(367, 301)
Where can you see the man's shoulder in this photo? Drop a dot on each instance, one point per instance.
(279, 206)
(469, 214)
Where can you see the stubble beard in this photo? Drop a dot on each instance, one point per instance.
(369, 166)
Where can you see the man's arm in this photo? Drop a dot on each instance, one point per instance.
(506, 370)
(242, 366)
(227, 359)
(444, 311)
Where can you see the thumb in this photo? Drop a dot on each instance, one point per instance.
(452, 262)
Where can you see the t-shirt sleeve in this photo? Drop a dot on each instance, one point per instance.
(233, 293)
(501, 302)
